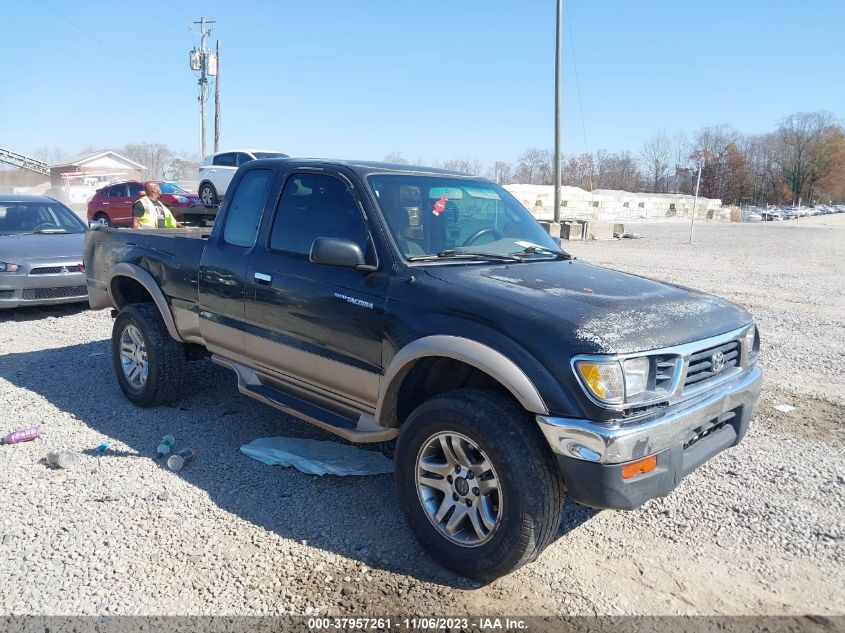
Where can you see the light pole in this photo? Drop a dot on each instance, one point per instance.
(695, 202)
(557, 116)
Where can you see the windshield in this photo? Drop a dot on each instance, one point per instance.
(270, 155)
(19, 218)
(434, 216)
(171, 187)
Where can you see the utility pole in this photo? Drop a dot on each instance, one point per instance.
(217, 102)
(199, 61)
(555, 232)
(695, 202)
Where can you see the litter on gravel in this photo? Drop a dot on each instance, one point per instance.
(317, 457)
(784, 408)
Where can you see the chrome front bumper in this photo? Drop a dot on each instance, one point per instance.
(591, 441)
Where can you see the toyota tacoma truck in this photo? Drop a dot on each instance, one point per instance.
(384, 301)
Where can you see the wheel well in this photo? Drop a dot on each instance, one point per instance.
(209, 183)
(432, 376)
(126, 290)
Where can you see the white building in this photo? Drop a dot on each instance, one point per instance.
(610, 204)
(77, 178)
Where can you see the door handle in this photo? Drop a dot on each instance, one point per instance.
(261, 278)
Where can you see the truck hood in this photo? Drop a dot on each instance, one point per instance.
(602, 310)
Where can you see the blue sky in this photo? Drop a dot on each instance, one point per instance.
(433, 79)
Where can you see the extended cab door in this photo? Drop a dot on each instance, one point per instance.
(222, 279)
(313, 326)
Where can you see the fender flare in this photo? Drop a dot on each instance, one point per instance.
(482, 357)
(144, 278)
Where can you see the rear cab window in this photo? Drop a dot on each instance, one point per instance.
(244, 215)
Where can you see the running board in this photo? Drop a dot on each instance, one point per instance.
(363, 430)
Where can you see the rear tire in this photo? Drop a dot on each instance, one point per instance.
(148, 362)
(208, 194)
(103, 219)
(519, 516)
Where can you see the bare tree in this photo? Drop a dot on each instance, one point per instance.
(656, 154)
(468, 166)
(396, 158)
(501, 172)
(799, 136)
(535, 167)
(154, 156)
(681, 149)
(50, 155)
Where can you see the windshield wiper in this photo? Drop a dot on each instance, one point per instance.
(532, 250)
(57, 230)
(456, 254)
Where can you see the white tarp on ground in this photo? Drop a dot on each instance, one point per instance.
(316, 457)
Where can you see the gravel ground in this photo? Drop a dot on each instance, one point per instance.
(758, 530)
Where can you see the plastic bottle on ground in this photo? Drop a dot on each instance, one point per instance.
(165, 446)
(60, 458)
(23, 435)
(181, 459)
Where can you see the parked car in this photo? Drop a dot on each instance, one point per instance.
(112, 205)
(752, 216)
(787, 213)
(40, 252)
(380, 302)
(217, 170)
(770, 215)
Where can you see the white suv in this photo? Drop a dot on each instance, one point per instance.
(217, 170)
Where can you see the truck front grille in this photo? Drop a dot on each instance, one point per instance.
(705, 365)
(54, 293)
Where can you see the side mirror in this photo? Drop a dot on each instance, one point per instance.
(335, 251)
(95, 225)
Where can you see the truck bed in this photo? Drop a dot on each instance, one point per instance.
(171, 256)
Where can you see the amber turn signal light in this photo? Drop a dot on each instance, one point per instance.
(639, 467)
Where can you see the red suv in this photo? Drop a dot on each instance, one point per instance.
(112, 205)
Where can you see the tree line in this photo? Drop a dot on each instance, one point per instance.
(802, 159)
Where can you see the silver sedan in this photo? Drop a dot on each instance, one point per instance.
(40, 252)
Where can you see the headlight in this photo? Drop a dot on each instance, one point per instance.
(635, 372)
(181, 199)
(615, 382)
(752, 343)
(6, 267)
(604, 380)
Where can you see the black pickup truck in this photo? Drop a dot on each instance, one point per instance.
(384, 301)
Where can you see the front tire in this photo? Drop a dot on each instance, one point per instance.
(148, 362)
(209, 195)
(477, 483)
(103, 219)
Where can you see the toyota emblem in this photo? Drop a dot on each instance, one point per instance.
(717, 363)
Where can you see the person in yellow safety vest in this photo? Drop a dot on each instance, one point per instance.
(149, 212)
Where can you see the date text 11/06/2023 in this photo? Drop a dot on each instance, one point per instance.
(416, 624)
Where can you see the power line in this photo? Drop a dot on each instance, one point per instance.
(578, 89)
(72, 23)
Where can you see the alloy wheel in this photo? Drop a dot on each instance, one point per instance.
(458, 488)
(133, 357)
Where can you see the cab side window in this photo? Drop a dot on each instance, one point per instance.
(117, 191)
(312, 206)
(245, 209)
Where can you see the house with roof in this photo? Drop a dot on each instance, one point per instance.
(76, 178)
